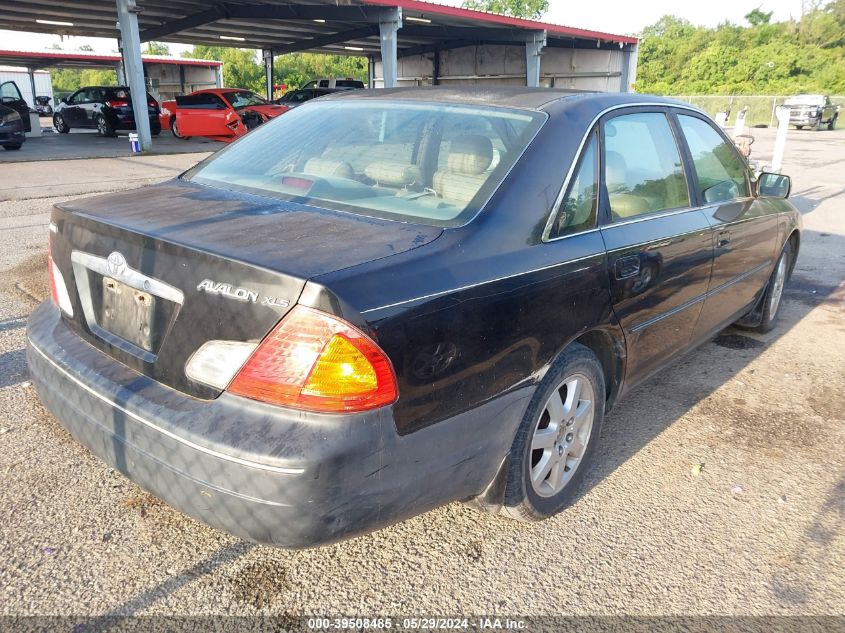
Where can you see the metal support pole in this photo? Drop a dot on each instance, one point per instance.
(181, 79)
(533, 49)
(219, 76)
(31, 73)
(435, 73)
(371, 72)
(629, 68)
(268, 72)
(127, 15)
(390, 21)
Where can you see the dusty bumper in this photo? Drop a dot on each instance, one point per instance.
(262, 473)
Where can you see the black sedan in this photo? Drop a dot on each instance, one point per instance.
(294, 98)
(385, 301)
(106, 109)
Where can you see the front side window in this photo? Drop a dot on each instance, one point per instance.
(578, 209)
(9, 90)
(432, 163)
(643, 168)
(244, 98)
(720, 170)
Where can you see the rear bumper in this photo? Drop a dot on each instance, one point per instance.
(263, 473)
(12, 133)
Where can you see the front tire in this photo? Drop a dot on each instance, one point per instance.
(13, 147)
(60, 124)
(817, 125)
(774, 291)
(557, 438)
(832, 123)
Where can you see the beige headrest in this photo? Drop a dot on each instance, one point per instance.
(616, 170)
(393, 174)
(470, 154)
(328, 167)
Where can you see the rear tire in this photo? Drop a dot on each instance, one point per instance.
(60, 124)
(774, 291)
(13, 147)
(799, 127)
(104, 128)
(557, 438)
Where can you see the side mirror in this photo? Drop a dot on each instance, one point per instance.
(63, 100)
(773, 185)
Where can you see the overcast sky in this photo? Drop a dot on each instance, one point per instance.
(612, 16)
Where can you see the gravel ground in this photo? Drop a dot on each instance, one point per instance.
(757, 530)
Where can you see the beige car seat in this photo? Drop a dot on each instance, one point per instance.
(468, 160)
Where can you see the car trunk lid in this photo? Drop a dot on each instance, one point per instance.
(155, 273)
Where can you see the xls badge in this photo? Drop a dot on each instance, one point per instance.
(244, 295)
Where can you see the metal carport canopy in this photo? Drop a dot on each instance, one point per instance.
(388, 29)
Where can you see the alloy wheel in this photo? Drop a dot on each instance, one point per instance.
(777, 287)
(561, 435)
(101, 126)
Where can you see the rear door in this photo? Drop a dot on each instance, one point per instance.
(745, 228)
(11, 97)
(205, 114)
(659, 246)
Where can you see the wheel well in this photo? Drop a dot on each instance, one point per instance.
(610, 352)
(795, 242)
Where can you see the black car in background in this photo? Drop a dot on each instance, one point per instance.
(293, 98)
(385, 301)
(12, 133)
(104, 108)
(11, 97)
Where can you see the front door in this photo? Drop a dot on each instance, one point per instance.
(205, 114)
(744, 228)
(11, 97)
(73, 112)
(659, 247)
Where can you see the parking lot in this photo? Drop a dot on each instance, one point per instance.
(88, 144)
(719, 489)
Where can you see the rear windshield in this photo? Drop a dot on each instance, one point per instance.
(429, 163)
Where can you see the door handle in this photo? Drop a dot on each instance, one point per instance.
(628, 266)
(723, 238)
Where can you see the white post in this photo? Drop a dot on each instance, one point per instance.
(739, 126)
(782, 114)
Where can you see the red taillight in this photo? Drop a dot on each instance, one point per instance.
(315, 361)
(117, 103)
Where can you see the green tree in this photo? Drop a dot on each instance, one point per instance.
(807, 55)
(530, 9)
(240, 67)
(757, 16)
(157, 48)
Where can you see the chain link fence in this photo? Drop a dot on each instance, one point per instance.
(761, 108)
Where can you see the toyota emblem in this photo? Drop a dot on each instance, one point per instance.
(117, 264)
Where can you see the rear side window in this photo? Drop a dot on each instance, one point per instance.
(720, 170)
(201, 101)
(578, 209)
(643, 168)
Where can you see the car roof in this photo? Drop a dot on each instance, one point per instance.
(503, 96)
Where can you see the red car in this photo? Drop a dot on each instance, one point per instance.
(223, 114)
